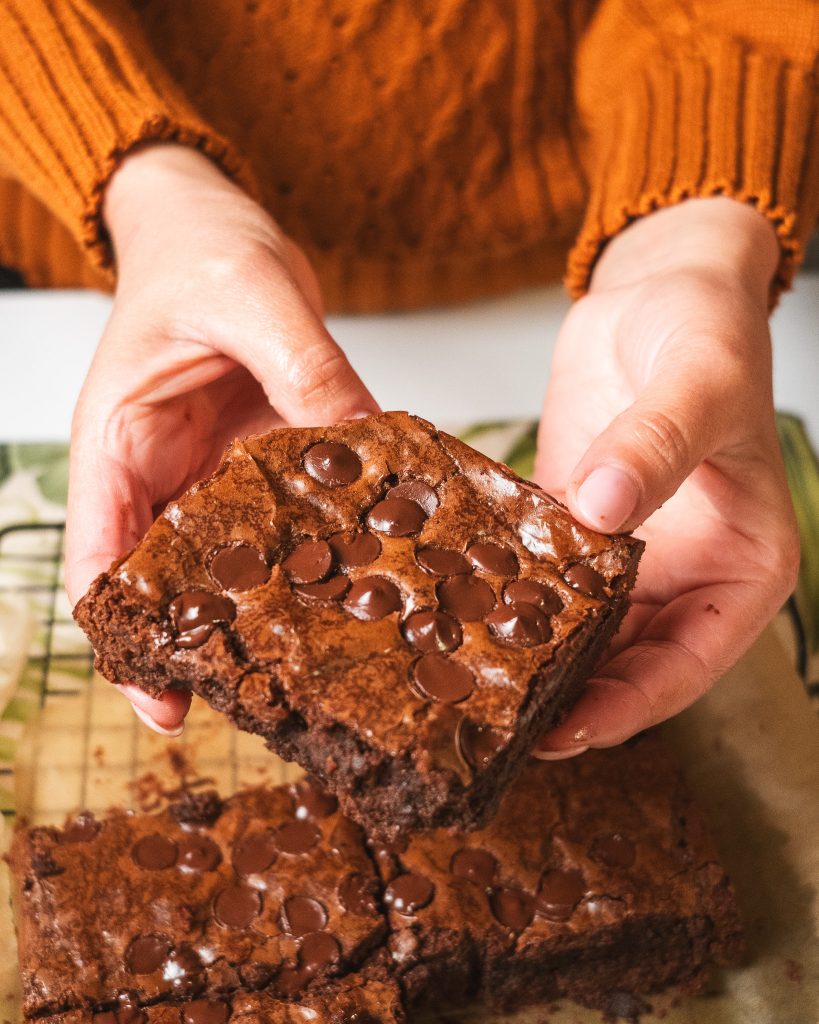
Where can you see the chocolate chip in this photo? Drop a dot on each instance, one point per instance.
(302, 914)
(438, 677)
(237, 905)
(183, 969)
(432, 631)
(477, 744)
(466, 597)
(521, 624)
(297, 837)
(205, 1011)
(125, 1014)
(356, 895)
(201, 808)
(310, 562)
(496, 559)
(584, 578)
(241, 567)
(288, 981)
(559, 893)
(154, 852)
(82, 829)
(332, 464)
(332, 590)
(397, 517)
(614, 850)
(514, 908)
(409, 893)
(418, 491)
(358, 551)
(312, 801)
(195, 613)
(442, 561)
(255, 853)
(478, 866)
(198, 853)
(373, 597)
(530, 592)
(146, 953)
(318, 949)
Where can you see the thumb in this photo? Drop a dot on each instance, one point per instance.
(648, 450)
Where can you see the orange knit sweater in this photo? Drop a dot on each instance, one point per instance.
(422, 151)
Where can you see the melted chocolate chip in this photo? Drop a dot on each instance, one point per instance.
(358, 551)
(419, 492)
(290, 980)
(514, 908)
(530, 592)
(205, 1011)
(237, 905)
(146, 953)
(520, 624)
(467, 598)
(154, 852)
(496, 559)
(183, 969)
(332, 590)
(318, 949)
(409, 893)
(432, 631)
(301, 915)
(332, 464)
(373, 597)
(442, 561)
(125, 1014)
(478, 744)
(559, 893)
(241, 567)
(312, 801)
(397, 517)
(356, 896)
(478, 866)
(614, 850)
(310, 562)
(195, 613)
(255, 853)
(584, 578)
(297, 837)
(438, 677)
(198, 853)
(82, 829)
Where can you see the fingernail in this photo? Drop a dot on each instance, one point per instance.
(143, 716)
(558, 755)
(607, 497)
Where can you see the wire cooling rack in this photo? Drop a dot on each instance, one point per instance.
(68, 740)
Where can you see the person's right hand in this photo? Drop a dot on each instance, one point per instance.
(216, 332)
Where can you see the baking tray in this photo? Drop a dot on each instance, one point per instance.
(751, 750)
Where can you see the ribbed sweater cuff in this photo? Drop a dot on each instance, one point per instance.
(721, 121)
(79, 90)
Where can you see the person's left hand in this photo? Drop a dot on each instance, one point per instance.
(659, 412)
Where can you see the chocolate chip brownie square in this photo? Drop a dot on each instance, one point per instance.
(394, 611)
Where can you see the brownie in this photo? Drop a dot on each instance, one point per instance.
(595, 880)
(350, 1000)
(394, 611)
(272, 888)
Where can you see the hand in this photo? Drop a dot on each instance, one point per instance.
(216, 332)
(659, 412)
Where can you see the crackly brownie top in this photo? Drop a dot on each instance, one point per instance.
(350, 1000)
(390, 578)
(575, 846)
(270, 886)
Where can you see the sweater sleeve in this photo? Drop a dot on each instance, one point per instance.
(79, 89)
(688, 98)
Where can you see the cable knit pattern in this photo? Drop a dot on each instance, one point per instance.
(422, 151)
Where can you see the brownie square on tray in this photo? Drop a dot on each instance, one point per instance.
(397, 613)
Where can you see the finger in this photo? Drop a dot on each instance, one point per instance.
(285, 345)
(165, 715)
(684, 648)
(649, 449)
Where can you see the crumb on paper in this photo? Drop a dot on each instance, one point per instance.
(794, 971)
(98, 754)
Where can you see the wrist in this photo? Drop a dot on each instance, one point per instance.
(724, 238)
